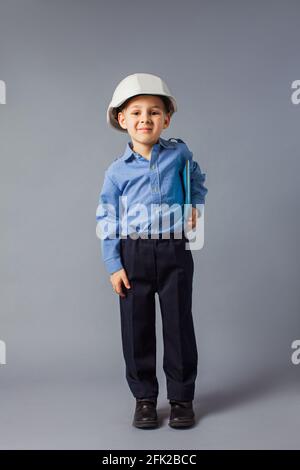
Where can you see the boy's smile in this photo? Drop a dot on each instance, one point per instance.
(144, 117)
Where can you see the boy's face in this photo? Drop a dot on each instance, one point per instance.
(144, 118)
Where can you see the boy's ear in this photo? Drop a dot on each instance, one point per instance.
(121, 120)
(167, 120)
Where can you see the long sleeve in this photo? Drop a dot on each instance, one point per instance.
(197, 178)
(107, 217)
(198, 190)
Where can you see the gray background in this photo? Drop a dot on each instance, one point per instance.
(230, 65)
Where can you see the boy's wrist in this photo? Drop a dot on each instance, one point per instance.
(194, 205)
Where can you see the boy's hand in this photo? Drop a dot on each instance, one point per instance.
(193, 218)
(117, 279)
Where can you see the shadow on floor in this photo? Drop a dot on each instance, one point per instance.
(257, 386)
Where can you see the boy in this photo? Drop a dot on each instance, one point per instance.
(148, 176)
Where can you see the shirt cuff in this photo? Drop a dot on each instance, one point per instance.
(112, 265)
(199, 201)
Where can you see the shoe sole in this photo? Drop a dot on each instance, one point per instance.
(148, 424)
(181, 424)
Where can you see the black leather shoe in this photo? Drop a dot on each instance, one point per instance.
(145, 415)
(182, 414)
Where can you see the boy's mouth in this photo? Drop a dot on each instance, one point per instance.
(144, 129)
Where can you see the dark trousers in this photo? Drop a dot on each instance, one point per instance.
(164, 266)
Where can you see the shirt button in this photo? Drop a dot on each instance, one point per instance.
(153, 167)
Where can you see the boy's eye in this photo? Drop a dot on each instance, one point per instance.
(153, 112)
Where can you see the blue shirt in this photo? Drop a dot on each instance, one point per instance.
(152, 183)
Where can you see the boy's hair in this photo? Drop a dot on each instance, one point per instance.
(165, 100)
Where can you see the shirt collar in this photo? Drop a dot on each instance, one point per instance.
(129, 152)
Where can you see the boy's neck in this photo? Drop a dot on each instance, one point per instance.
(142, 149)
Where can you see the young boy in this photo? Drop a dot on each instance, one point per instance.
(148, 178)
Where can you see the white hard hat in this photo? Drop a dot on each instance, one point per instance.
(137, 84)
